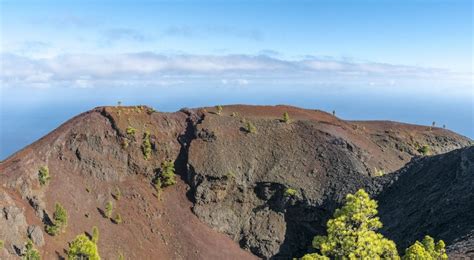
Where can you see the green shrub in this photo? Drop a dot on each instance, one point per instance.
(351, 233)
(109, 207)
(289, 192)
(95, 234)
(117, 219)
(218, 110)
(234, 114)
(150, 111)
(286, 118)
(425, 150)
(43, 175)
(117, 193)
(250, 127)
(82, 248)
(131, 131)
(230, 175)
(125, 143)
(52, 230)
(2, 244)
(167, 174)
(157, 185)
(314, 256)
(120, 256)
(427, 249)
(60, 215)
(146, 146)
(59, 220)
(380, 172)
(31, 252)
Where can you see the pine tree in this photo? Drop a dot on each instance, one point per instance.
(351, 233)
(167, 174)
(425, 150)
(146, 146)
(95, 234)
(314, 256)
(59, 220)
(31, 252)
(157, 185)
(286, 117)
(117, 193)
(117, 219)
(108, 209)
(82, 248)
(219, 109)
(43, 175)
(130, 130)
(426, 250)
(250, 127)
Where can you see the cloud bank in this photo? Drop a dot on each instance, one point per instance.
(153, 69)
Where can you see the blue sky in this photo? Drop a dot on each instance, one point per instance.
(405, 41)
(66, 51)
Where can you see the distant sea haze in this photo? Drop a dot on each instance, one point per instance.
(29, 114)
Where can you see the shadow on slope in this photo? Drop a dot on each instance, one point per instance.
(433, 196)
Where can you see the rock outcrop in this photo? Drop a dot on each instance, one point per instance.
(239, 179)
(432, 195)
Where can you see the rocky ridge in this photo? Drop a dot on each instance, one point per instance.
(237, 182)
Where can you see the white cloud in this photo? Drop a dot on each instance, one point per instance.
(152, 69)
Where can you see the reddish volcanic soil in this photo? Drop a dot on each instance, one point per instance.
(229, 192)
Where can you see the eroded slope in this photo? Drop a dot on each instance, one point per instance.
(435, 196)
(269, 191)
(241, 180)
(89, 157)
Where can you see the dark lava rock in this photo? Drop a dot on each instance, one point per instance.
(432, 196)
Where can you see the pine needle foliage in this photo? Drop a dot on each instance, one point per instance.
(31, 252)
(82, 248)
(286, 118)
(109, 207)
(43, 175)
(219, 110)
(60, 218)
(146, 145)
(168, 176)
(351, 233)
(250, 127)
(131, 131)
(426, 250)
(95, 235)
(117, 218)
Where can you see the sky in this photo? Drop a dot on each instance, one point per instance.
(407, 60)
